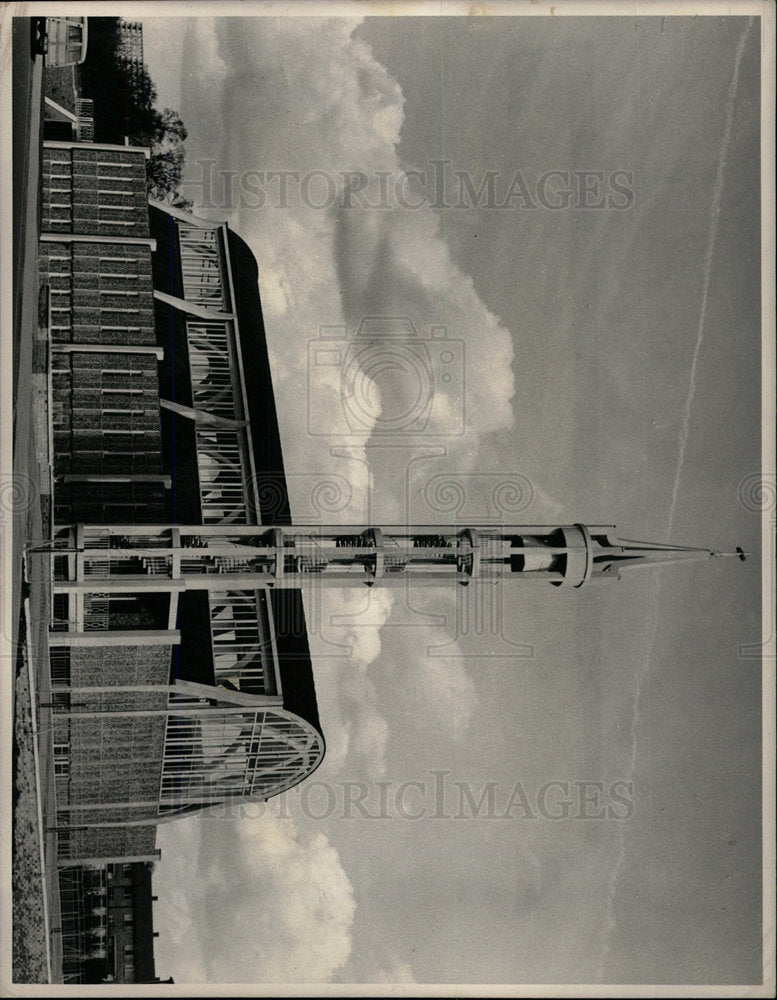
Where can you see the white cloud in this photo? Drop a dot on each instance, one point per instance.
(268, 904)
(303, 99)
(392, 969)
(447, 690)
(350, 686)
(306, 96)
(347, 696)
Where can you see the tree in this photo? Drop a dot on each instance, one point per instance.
(125, 105)
(164, 171)
(169, 128)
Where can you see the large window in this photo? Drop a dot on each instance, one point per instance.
(215, 755)
(242, 647)
(201, 266)
(220, 465)
(210, 362)
(222, 452)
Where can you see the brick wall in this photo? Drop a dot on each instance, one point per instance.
(93, 191)
(115, 758)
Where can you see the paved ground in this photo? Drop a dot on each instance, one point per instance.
(31, 525)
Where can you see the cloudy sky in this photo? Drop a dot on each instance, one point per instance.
(603, 360)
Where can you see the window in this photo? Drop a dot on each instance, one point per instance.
(220, 467)
(200, 265)
(129, 919)
(61, 760)
(59, 661)
(211, 367)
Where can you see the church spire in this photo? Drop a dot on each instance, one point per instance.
(611, 555)
(242, 557)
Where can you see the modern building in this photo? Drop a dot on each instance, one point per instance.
(167, 700)
(179, 659)
(107, 924)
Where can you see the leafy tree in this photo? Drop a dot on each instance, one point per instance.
(125, 99)
(169, 127)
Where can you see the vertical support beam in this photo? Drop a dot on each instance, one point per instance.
(151, 637)
(79, 547)
(108, 860)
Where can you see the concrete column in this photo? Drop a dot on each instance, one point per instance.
(202, 416)
(125, 584)
(191, 308)
(161, 637)
(106, 477)
(110, 349)
(107, 147)
(71, 862)
(123, 241)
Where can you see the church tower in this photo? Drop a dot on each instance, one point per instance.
(282, 557)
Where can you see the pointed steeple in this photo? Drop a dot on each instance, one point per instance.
(611, 555)
(247, 557)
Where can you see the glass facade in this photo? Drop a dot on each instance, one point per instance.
(214, 756)
(201, 266)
